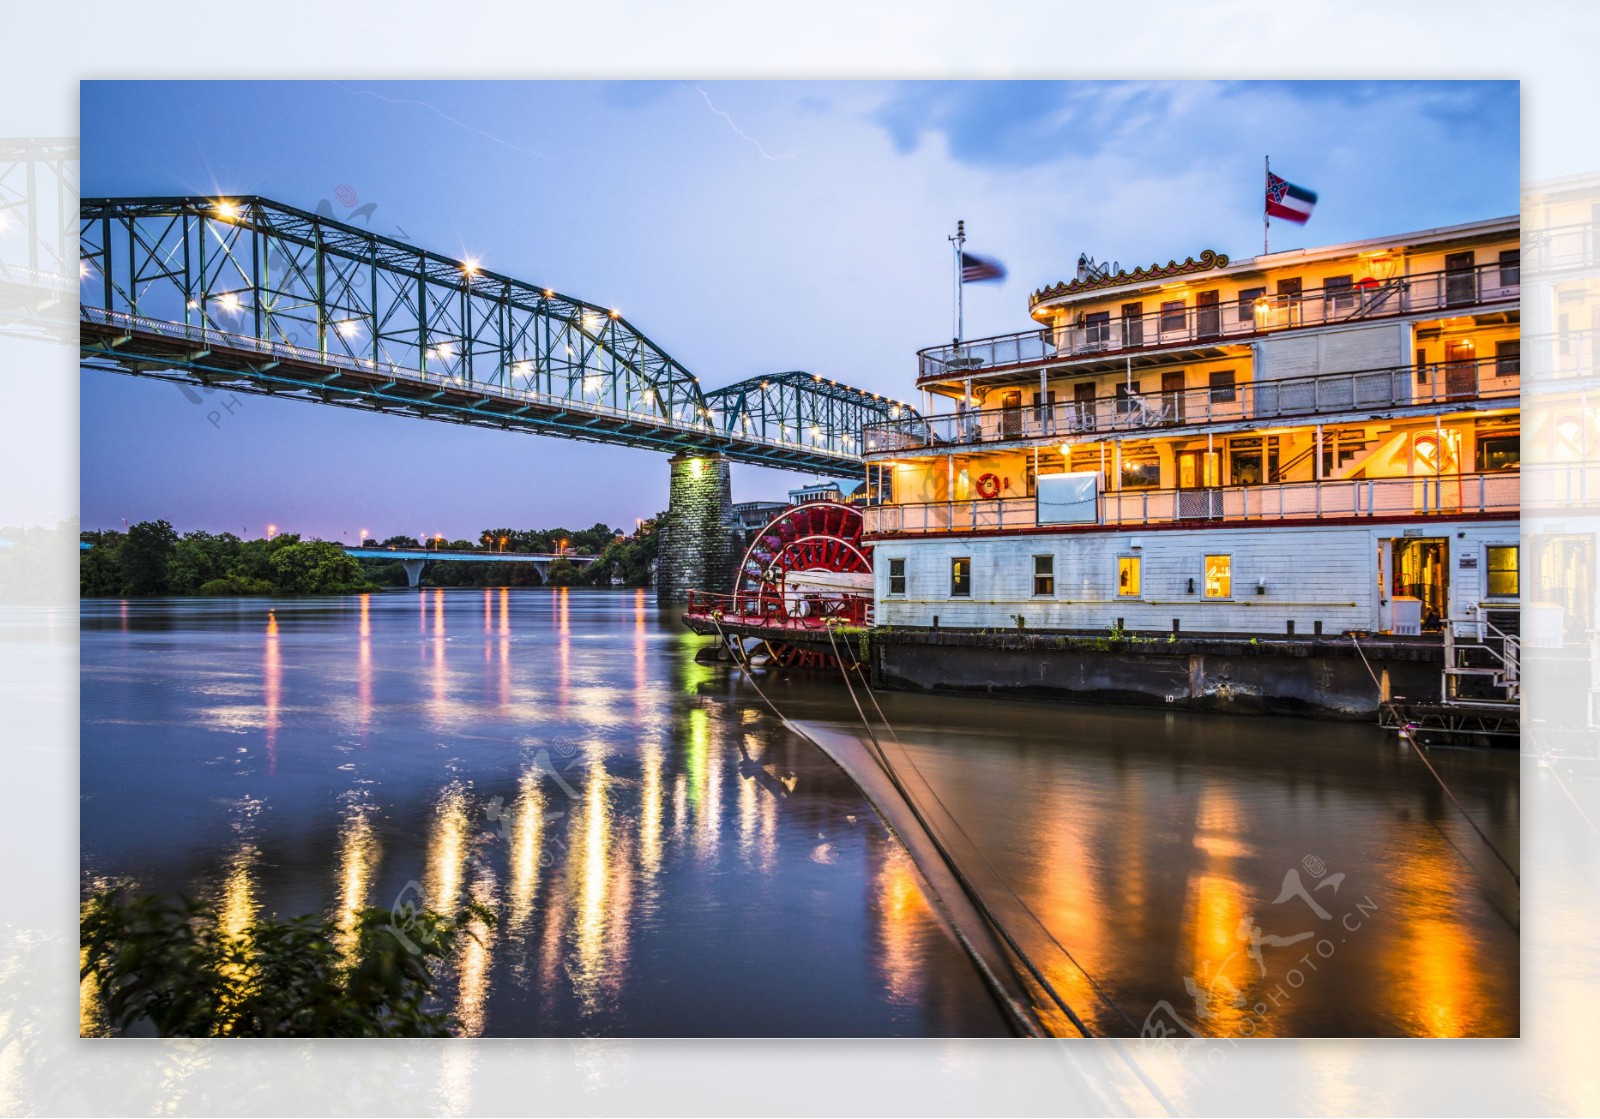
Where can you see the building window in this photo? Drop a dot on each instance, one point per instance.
(1141, 469)
(1127, 398)
(897, 576)
(1219, 576)
(1502, 564)
(1097, 330)
(1172, 316)
(1338, 294)
(1247, 305)
(961, 577)
(1499, 452)
(1252, 461)
(1044, 576)
(1511, 268)
(1133, 324)
(1222, 391)
(1128, 576)
(1508, 358)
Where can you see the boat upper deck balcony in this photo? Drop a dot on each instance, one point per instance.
(1493, 382)
(1092, 341)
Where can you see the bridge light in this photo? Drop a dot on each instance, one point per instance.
(816, 377)
(548, 293)
(229, 301)
(225, 210)
(470, 266)
(616, 314)
(193, 303)
(347, 328)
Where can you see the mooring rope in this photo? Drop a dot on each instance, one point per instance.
(993, 870)
(945, 857)
(784, 719)
(1421, 751)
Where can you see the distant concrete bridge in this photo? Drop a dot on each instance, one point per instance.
(415, 559)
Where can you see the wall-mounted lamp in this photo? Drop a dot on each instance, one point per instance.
(1134, 545)
(1261, 585)
(1191, 584)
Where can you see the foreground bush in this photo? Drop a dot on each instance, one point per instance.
(169, 967)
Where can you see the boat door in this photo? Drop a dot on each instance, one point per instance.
(1172, 397)
(1208, 315)
(1083, 398)
(1460, 279)
(1422, 571)
(1011, 415)
(1198, 495)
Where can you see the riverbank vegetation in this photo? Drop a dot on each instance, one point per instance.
(174, 968)
(151, 558)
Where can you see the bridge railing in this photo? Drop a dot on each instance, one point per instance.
(210, 336)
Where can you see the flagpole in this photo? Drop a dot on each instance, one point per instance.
(1266, 216)
(958, 241)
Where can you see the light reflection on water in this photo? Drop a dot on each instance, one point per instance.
(1157, 849)
(664, 858)
(647, 840)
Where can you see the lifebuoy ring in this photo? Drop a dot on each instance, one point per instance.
(988, 485)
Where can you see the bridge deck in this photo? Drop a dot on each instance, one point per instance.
(443, 555)
(220, 359)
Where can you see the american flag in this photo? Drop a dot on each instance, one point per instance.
(976, 269)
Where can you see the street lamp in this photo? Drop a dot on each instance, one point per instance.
(271, 530)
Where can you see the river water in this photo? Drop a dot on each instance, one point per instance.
(667, 859)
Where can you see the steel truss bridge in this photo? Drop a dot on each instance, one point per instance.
(38, 193)
(254, 296)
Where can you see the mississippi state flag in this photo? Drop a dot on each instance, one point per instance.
(975, 269)
(1287, 201)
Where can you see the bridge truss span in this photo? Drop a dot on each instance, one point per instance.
(256, 296)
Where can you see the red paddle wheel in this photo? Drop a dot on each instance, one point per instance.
(808, 565)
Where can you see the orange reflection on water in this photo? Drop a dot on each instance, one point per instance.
(1442, 992)
(358, 861)
(364, 670)
(1070, 904)
(475, 955)
(447, 850)
(641, 651)
(558, 604)
(237, 907)
(603, 894)
(1220, 968)
(527, 834)
(652, 806)
(903, 917)
(272, 688)
(505, 612)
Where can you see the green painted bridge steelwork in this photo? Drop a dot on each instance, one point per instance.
(255, 296)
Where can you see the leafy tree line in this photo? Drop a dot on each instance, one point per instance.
(151, 558)
(628, 557)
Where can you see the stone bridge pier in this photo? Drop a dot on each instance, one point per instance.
(700, 544)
